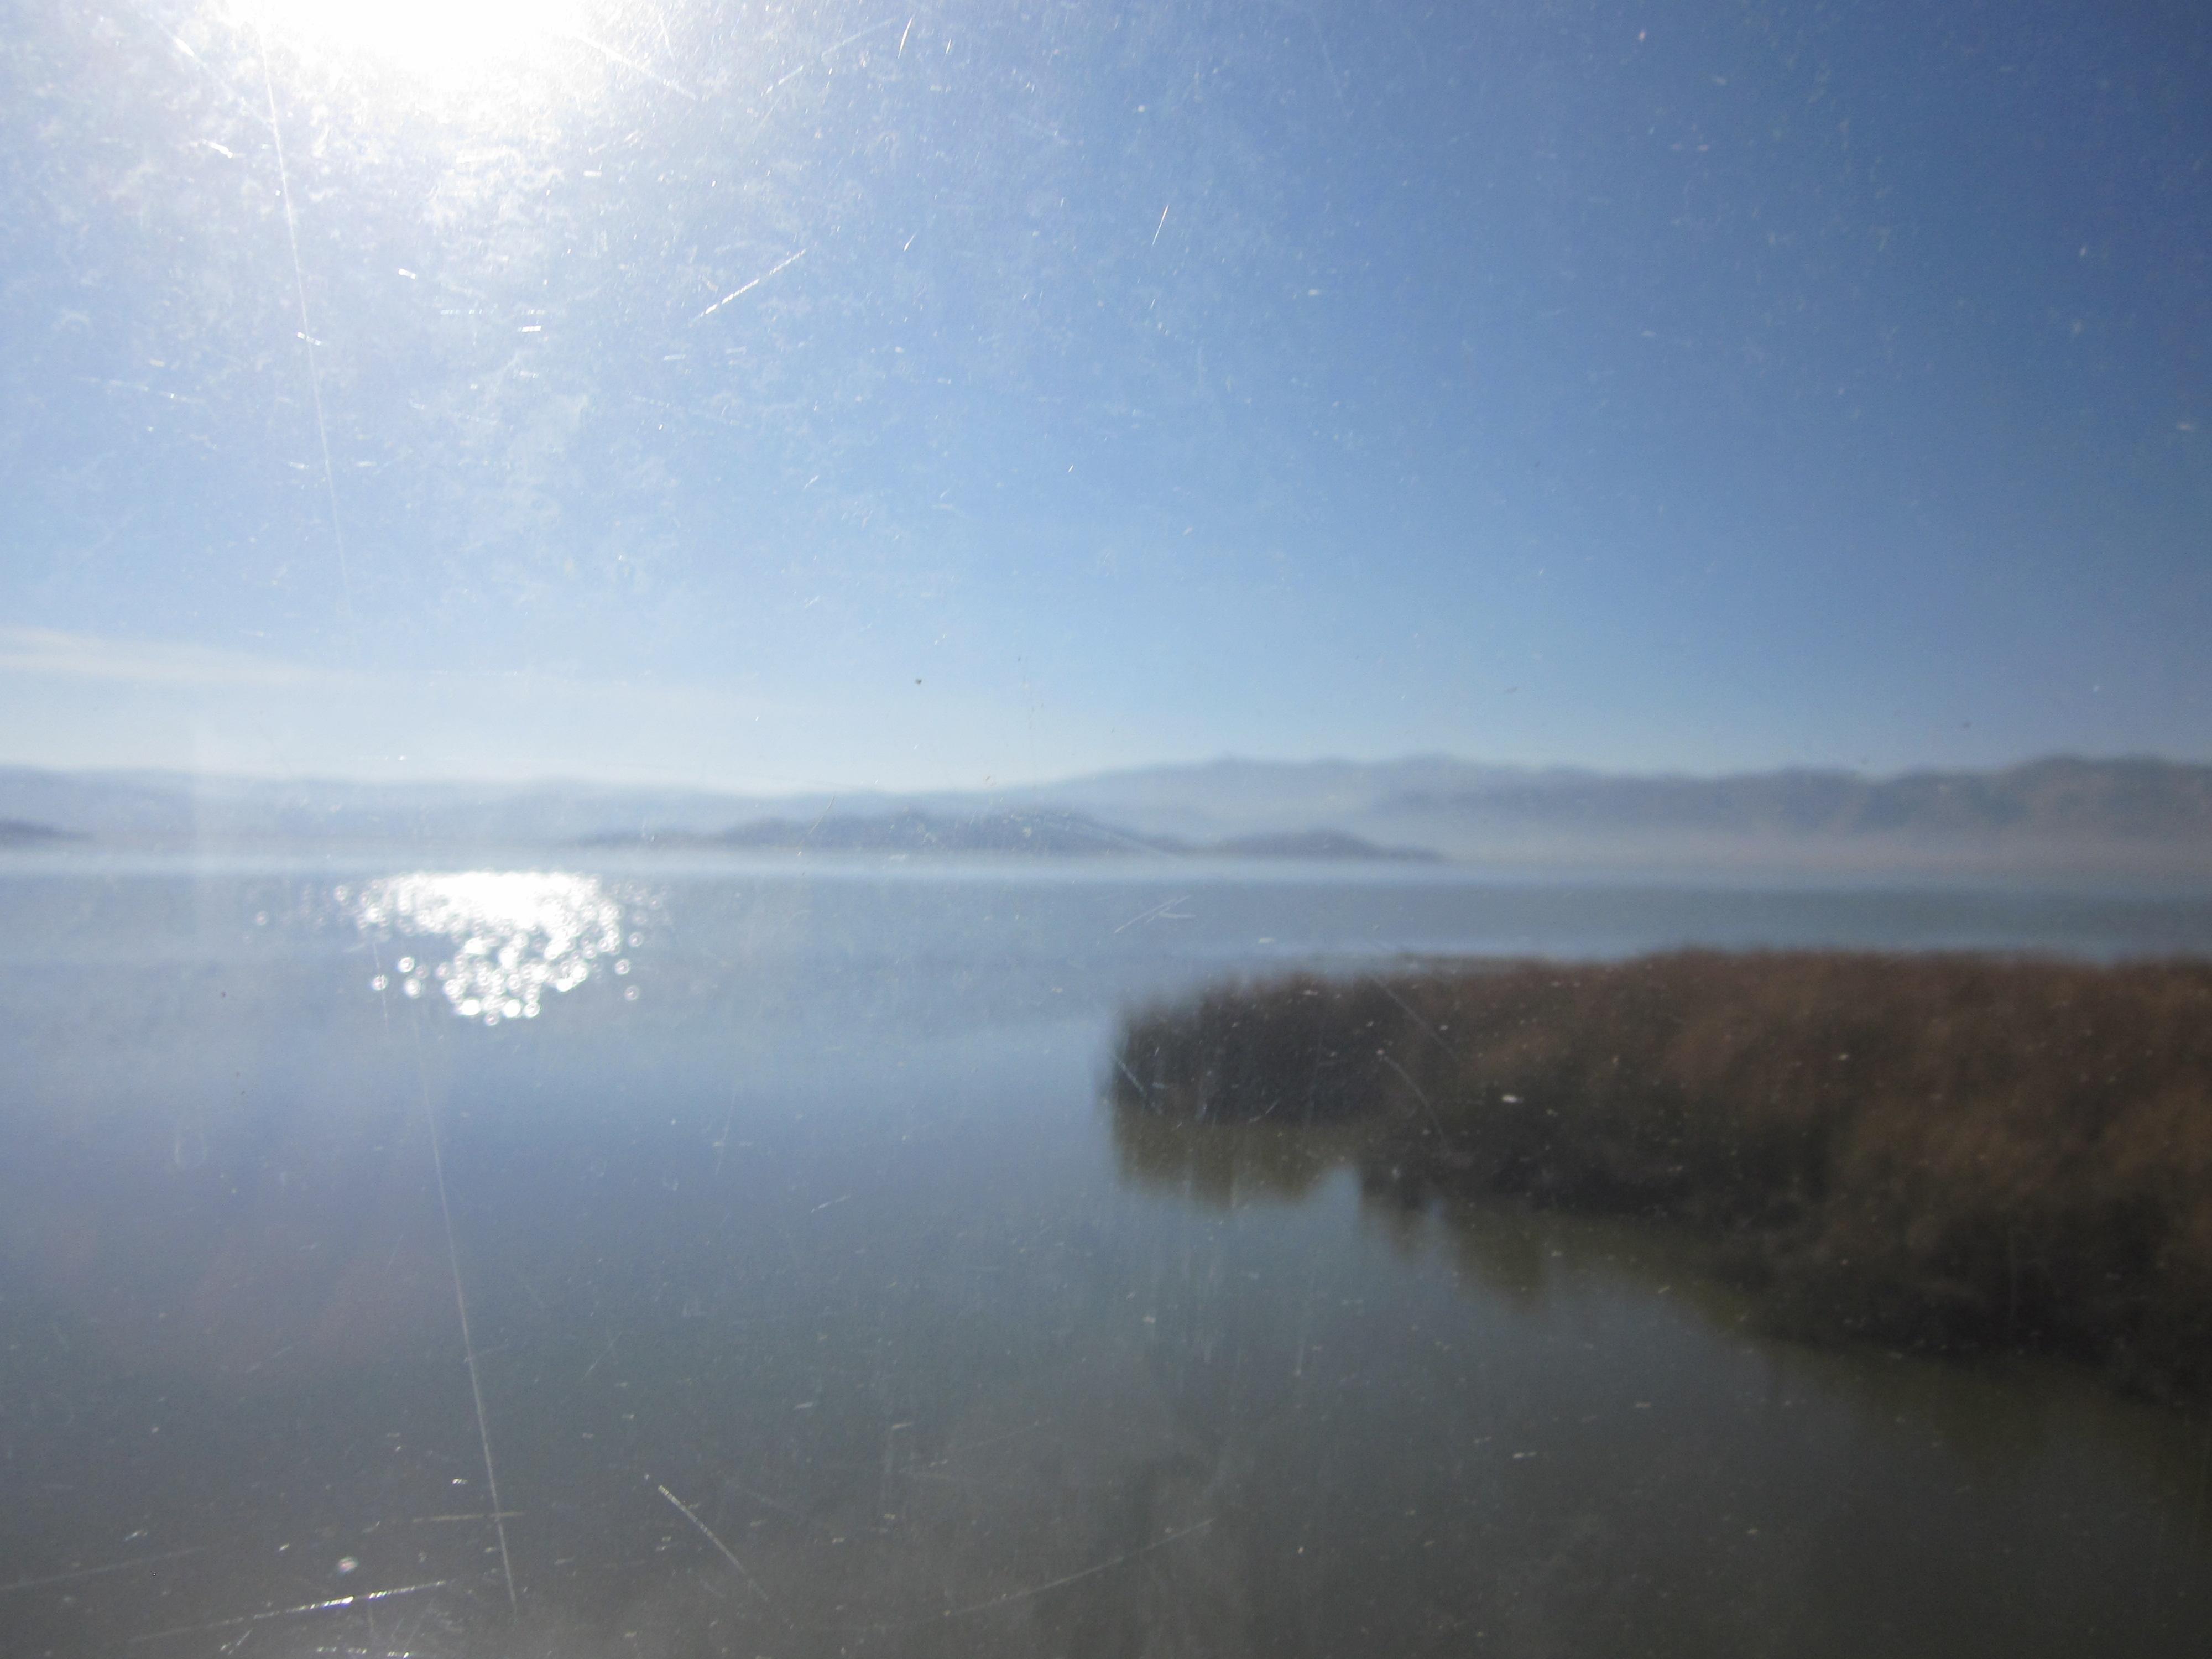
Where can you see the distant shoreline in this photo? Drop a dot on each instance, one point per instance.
(2059, 818)
(17, 832)
(1023, 834)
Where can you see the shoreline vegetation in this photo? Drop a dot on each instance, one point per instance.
(1952, 1153)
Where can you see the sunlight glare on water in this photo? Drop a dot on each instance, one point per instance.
(516, 934)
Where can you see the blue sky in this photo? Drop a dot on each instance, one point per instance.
(1653, 387)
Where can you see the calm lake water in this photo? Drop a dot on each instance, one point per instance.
(758, 1230)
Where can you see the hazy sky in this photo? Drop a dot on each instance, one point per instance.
(1688, 385)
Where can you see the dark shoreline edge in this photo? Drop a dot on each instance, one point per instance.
(21, 832)
(1957, 1154)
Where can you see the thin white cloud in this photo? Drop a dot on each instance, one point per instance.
(74, 701)
(50, 653)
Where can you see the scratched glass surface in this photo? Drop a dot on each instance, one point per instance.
(414, 1242)
(785, 1286)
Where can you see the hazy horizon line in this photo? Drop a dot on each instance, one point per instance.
(785, 787)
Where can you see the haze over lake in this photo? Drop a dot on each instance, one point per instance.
(2060, 818)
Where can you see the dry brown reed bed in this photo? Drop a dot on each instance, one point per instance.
(1953, 1153)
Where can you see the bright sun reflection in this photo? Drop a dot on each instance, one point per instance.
(510, 936)
(446, 41)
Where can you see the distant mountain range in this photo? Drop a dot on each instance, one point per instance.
(2142, 816)
(2112, 816)
(1039, 832)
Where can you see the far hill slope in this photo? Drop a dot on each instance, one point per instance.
(1037, 834)
(2054, 816)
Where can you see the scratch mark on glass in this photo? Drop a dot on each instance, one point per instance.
(94, 1573)
(367, 1598)
(728, 1554)
(307, 330)
(1160, 911)
(1077, 1578)
(873, 29)
(468, 1341)
(739, 293)
(634, 67)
